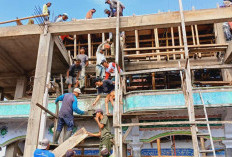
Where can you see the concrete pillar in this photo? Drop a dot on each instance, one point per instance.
(228, 147)
(136, 145)
(228, 133)
(20, 87)
(136, 149)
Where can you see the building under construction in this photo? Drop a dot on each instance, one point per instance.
(176, 84)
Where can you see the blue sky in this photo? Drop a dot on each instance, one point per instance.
(10, 9)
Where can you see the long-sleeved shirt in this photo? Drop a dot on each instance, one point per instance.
(100, 57)
(69, 104)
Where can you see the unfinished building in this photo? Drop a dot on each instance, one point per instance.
(167, 83)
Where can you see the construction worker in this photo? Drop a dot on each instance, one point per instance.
(84, 63)
(110, 69)
(105, 86)
(90, 13)
(44, 149)
(104, 133)
(100, 70)
(73, 75)
(69, 104)
(108, 13)
(62, 18)
(46, 10)
(113, 7)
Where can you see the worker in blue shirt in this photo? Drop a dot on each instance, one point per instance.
(44, 149)
(69, 104)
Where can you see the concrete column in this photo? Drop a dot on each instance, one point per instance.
(136, 144)
(228, 146)
(136, 149)
(228, 133)
(20, 87)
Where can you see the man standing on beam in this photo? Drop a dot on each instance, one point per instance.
(69, 104)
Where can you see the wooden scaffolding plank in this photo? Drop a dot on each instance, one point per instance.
(70, 143)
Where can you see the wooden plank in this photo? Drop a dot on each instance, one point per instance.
(176, 47)
(203, 146)
(137, 41)
(47, 111)
(156, 35)
(126, 23)
(75, 46)
(70, 143)
(153, 81)
(126, 133)
(45, 53)
(89, 47)
(159, 147)
(25, 18)
(180, 41)
(173, 123)
(188, 84)
(228, 55)
(173, 41)
(151, 71)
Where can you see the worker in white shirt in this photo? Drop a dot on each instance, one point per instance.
(100, 70)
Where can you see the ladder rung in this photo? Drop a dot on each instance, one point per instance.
(203, 134)
(206, 151)
(199, 119)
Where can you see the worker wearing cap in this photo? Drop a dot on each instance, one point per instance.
(90, 13)
(100, 70)
(46, 10)
(84, 63)
(62, 18)
(69, 104)
(104, 133)
(106, 86)
(43, 149)
(113, 7)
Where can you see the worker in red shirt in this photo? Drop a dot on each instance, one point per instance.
(63, 37)
(110, 69)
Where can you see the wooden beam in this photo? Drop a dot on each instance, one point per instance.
(47, 111)
(45, 53)
(156, 35)
(228, 55)
(126, 134)
(161, 20)
(177, 47)
(70, 143)
(25, 18)
(89, 46)
(4, 76)
(174, 123)
(75, 46)
(159, 147)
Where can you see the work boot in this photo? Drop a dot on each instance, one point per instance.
(56, 138)
(67, 135)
